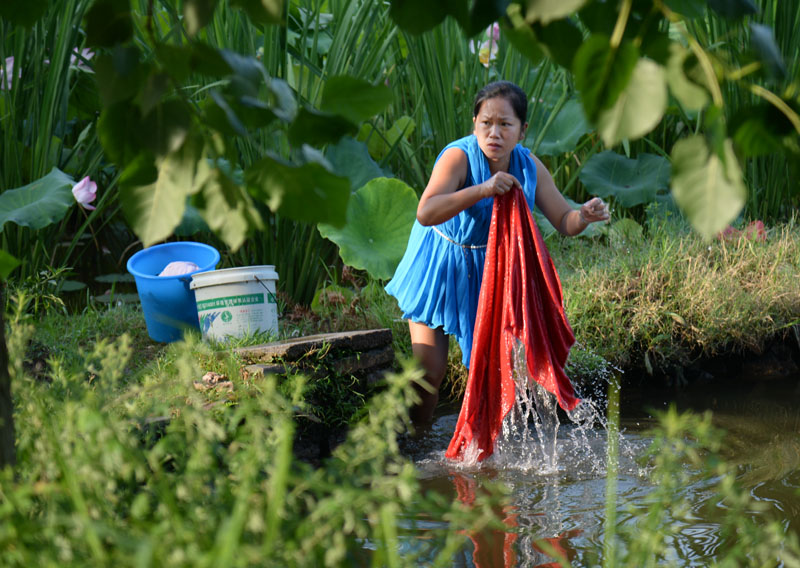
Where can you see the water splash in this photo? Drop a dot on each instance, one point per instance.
(533, 437)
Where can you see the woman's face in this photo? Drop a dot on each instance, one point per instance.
(498, 129)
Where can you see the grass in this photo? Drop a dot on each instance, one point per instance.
(661, 300)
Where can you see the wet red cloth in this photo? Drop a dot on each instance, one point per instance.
(520, 299)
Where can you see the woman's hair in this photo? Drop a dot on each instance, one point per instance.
(509, 91)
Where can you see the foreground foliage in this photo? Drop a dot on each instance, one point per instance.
(101, 482)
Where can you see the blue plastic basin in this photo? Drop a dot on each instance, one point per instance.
(167, 301)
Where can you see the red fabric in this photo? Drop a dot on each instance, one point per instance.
(521, 300)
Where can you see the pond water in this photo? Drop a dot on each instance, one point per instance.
(558, 501)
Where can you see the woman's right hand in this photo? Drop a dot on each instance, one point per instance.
(499, 184)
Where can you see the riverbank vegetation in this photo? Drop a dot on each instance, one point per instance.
(650, 299)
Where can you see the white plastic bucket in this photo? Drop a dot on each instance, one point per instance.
(236, 301)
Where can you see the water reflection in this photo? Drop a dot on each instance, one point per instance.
(556, 514)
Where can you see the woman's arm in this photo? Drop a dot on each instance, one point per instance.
(443, 199)
(565, 219)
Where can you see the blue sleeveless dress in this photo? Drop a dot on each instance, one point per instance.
(438, 281)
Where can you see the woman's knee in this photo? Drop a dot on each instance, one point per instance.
(432, 362)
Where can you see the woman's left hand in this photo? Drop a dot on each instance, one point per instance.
(594, 210)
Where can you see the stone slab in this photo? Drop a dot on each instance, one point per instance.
(296, 348)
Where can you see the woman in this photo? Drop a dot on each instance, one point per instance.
(437, 284)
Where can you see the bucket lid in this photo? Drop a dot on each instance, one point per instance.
(233, 275)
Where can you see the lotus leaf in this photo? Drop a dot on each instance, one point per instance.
(630, 182)
(39, 203)
(566, 129)
(379, 220)
(351, 158)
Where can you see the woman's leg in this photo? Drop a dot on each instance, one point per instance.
(430, 349)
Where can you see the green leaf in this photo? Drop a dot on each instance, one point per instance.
(165, 128)
(560, 40)
(355, 99)
(639, 107)
(284, 104)
(115, 278)
(331, 296)
(7, 264)
(38, 204)
(191, 223)
(119, 75)
(601, 73)
(763, 41)
(656, 46)
(22, 12)
(247, 73)
(753, 137)
(228, 209)
(706, 186)
(564, 132)
(690, 95)
(309, 193)
(208, 61)
(520, 34)
(70, 286)
(116, 130)
(481, 14)
(599, 17)
(625, 231)
(109, 23)
(197, 14)
(379, 220)
(175, 60)
(154, 209)
(418, 16)
(381, 144)
(733, 9)
(352, 158)
(153, 90)
(317, 128)
(688, 8)
(254, 112)
(760, 129)
(221, 116)
(545, 11)
(261, 11)
(630, 182)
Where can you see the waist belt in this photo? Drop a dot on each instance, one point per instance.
(445, 237)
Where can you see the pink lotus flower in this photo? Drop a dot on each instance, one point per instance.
(487, 50)
(85, 191)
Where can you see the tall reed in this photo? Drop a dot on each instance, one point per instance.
(46, 122)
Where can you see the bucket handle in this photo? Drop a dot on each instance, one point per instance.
(257, 279)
